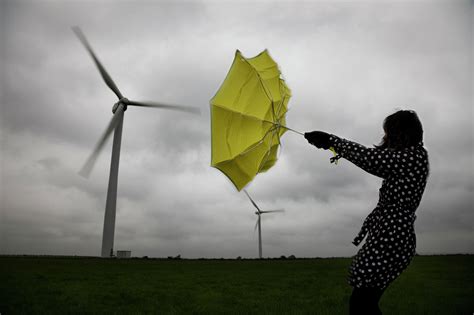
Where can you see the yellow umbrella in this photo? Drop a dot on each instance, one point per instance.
(248, 118)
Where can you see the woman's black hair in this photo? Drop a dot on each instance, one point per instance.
(403, 129)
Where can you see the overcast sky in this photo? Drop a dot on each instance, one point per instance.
(349, 65)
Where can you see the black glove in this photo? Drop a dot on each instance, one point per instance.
(319, 139)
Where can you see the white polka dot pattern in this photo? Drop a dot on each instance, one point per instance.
(391, 240)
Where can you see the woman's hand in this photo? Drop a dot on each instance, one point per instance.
(319, 139)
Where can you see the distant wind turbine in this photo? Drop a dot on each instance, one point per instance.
(258, 223)
(115, 125)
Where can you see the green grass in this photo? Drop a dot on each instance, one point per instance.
(56, 285)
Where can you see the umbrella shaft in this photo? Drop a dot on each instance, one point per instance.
(293, 130)
(282, 126)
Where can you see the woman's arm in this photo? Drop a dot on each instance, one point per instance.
(376, 161)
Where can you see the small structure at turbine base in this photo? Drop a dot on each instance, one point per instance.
(124, 253)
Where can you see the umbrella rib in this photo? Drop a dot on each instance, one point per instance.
(273, 112)
(258, 75)
(256, 118)
(279, 142)
(267, 155)
(243, 114)
(252, 117)
(280, 105)
(283, 99)
(265, 90)
(256, 144)
(270, 98)
(241, 89)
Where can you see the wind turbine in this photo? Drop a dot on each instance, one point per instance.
(258, 223)
(115, 125)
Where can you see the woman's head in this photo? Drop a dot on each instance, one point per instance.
(402, 129)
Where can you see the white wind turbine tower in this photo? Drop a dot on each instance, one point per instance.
(115, 125)
(259, 223)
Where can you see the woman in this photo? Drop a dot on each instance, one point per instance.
(402, 162)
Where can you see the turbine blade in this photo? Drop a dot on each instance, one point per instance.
(108, 80)
(87, 168)
(256, 225)
(253, 202)
(192, 110)
(269, 211)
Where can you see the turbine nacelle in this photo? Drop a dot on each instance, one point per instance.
(123, 101)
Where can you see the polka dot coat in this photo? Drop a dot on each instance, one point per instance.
(391, 240)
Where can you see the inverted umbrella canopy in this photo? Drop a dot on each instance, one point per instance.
(248, 118)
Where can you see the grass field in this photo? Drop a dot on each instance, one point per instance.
(61, 285)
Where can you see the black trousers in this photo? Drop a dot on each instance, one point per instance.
(365, 301)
